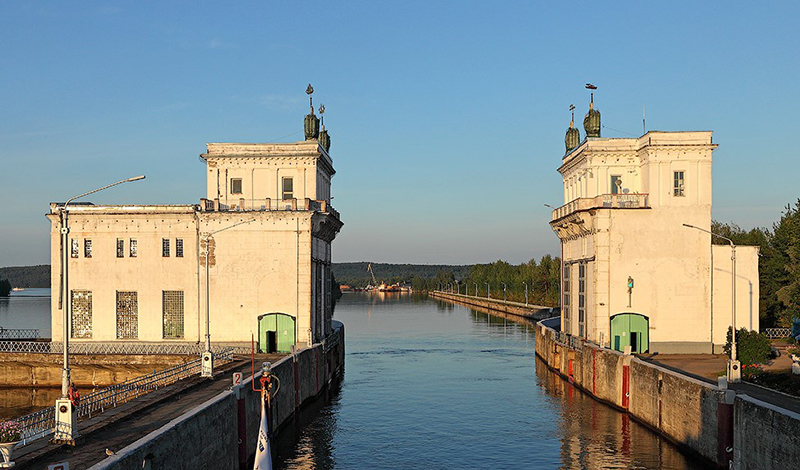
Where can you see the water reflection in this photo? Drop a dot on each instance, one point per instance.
(430, 384)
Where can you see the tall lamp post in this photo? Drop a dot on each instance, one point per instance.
(476, 289)
(65, 413)
(207, 362)
(504, 291)
(488, 291)
(458, 288)
(734, 366)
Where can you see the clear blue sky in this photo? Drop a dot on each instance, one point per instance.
(447, 119)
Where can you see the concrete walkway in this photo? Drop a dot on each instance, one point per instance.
(708, 367)
(116, 428)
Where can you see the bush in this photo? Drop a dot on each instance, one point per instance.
(752, 347)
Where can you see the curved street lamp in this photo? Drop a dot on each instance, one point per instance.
(207, 358)
(65, 414)
(734, 367)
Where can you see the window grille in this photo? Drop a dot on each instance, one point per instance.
(566, 302)
(236, 186)
(165, 247)
(127, 315)
(134, 248)
(678, 184)
(288, 188)
(87, 248)
(172, 307)
(179, 247)
(120, 248)
(73, 252)
(81, 314)
(582, 300)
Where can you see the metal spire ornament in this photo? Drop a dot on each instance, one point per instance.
(309, 92)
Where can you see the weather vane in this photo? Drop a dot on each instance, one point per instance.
(321, 112)
(589, 86)
(572, 112)
(309, 91)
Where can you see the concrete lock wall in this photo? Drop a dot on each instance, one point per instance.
(696, 415)
(766, 436)
(207, 436)
(529, 311)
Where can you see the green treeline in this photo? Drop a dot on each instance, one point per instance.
(356, 274)
(27, 276)
(778, 264)
(542, 278)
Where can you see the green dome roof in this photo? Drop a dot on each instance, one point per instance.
(591, 122)
(573, 138)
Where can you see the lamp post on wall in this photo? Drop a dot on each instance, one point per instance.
(734, 366)
(207, 358)
(65, 412)
(526, 292)
(504, 291)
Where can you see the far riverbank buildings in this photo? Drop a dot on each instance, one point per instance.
(138, 272)
(625, 203)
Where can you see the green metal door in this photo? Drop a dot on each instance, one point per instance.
(283, 326)
(625, 325)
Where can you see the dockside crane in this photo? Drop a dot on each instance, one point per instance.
(369, 268)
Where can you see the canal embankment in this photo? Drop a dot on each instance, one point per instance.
(494, 306)
(709, 420)
(221, 432)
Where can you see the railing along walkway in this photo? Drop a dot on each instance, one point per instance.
(122, 348)
(19, 333)
(41, 423)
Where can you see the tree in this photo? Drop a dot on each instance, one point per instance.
(5, 288)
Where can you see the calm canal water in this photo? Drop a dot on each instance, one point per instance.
(431, 385)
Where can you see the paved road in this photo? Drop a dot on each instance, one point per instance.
(707, 367)
(133, 420)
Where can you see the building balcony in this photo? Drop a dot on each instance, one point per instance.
(268, 204)
(603, 201)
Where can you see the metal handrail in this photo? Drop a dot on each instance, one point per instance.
(19, 333)
(41, 423)
(775, 333)
(120, 347)
(602, 201)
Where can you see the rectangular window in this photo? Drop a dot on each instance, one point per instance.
(165, 247)
(288, 188)
(582, 300)
(179, 247)
(127, 315)
(566, 301)
(236, 186)
(134, 248)
(678, 184)
(87, 247)
(172, 308)
(120, 248)
(73, 249)
(616, 184)
(81, 314)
